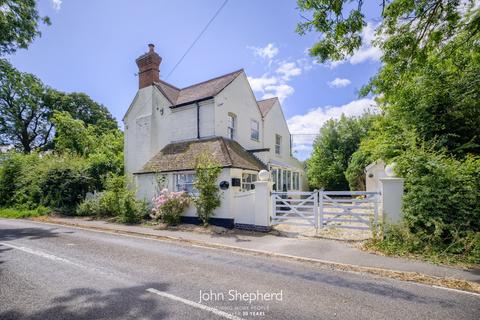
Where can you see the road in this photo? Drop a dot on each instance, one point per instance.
(53, 272)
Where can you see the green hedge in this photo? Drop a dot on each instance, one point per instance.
(441, 207)
(57, 182)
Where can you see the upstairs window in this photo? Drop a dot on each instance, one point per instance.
(254, 130)
(278, 144)
(231, 124)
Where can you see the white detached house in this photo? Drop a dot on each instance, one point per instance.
(167, 127)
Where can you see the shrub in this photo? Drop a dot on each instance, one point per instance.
(115, 201)
(64, 188)
(208, 199)
(169, 206)
(13, 182)
(440, 205)
(355, 172)
(441, 194)
(91, 206)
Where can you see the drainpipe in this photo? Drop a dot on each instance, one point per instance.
(198, 120)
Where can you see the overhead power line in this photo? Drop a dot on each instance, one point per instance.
(197, 38)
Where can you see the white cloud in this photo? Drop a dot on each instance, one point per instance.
(259, 84)
(281, 91)
(366, 53)
(271, 86)
(269, 51)
(338, 83)
(312, 121)
(288, 69)
(275, 82)
(56, 4)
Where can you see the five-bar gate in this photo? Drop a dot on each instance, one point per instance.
(326, 209)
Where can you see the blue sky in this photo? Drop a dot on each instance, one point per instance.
(91, 47)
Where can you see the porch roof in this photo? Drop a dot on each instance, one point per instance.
(283, 165)
(181, 156)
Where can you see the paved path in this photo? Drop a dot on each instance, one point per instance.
(54, 272)
(323, 249)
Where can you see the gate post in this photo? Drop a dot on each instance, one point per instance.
(320, 207)
(392, 194)
(315, 209)
(263, 205)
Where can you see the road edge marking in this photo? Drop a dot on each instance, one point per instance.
(194, 304)
(457, 290)
(40, 253)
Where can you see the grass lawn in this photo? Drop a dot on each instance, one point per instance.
(12, 213)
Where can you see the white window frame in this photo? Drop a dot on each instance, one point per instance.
(278, 144)
(296, 181)
(275, 172)
(231, 124)
(254, 132)
(188, 182)
(248, 179)
(289, 180)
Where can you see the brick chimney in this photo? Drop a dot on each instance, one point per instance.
(148, 67)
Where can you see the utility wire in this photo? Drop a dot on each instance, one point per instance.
(197, 38)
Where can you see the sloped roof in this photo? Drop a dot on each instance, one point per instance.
(197, 91)
(266, 105)
(180, 156)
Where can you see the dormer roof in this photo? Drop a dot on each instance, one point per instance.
(266, 105)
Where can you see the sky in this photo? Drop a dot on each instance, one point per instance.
(91, 47)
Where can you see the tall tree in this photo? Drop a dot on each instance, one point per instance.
(332, 150)
(19, 24)
(24, 117)
(407, 28)
(27, 107)
(81, 107)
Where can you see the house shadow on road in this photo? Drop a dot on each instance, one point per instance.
(26, 233)
(29, 233)
(87, 303)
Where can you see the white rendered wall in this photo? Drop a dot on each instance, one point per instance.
(275, 123)
(150, 124)
(238, 98)
(377, 172)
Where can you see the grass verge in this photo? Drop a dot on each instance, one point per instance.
(398, 241)
(12, 213)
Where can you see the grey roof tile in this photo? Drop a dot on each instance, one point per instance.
(197, 91)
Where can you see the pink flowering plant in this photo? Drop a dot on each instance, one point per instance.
(169, 206)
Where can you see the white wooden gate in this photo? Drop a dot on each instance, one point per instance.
(326, 209)
(297, 208)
